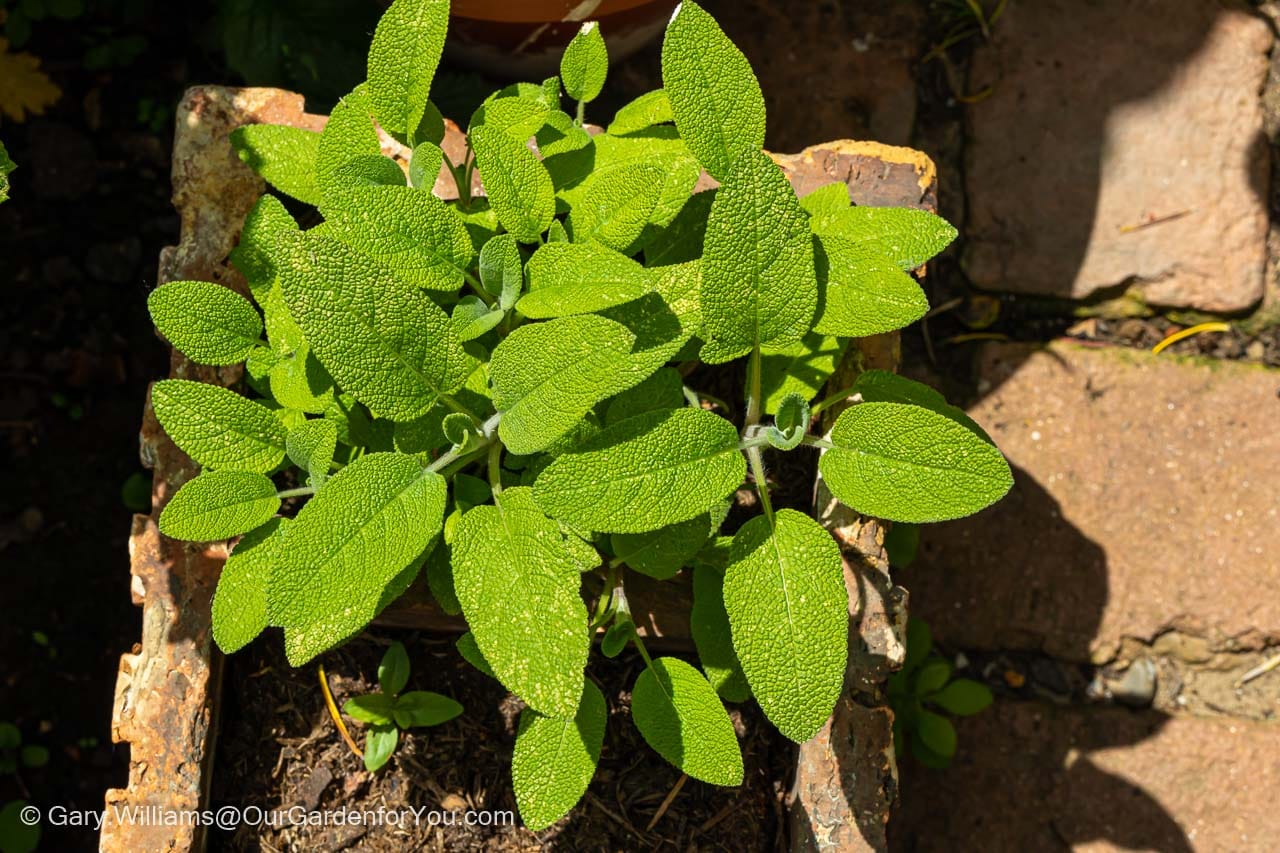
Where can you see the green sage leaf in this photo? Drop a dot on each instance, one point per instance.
(240, 599)
(218, 505)
(864, 293)
(516, 182)
(383, 341)
(517, 580)
(646, 472)
(906, 463)
(904, 235)
(402, 62)
(715, 97)
(311, 446)
(585, 63)
(679, 714)
(788, 609)
(709, 624)
(283, 156)
(547, 376)
(554, 759)
(758, 282)
(206, 322)
(645, 111)
(579, 278)
(217, 427)
(349, 542)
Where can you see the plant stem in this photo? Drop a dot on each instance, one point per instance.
(828, 402)
(607, 596)
(814, 441)
(644, 653)
(495, 468)
(462, 183)
(756, 458)
(582, 111)
(475, 285)
(455, 406)
(696, 397)
(753, 387)
(333, 712)
(296, 493)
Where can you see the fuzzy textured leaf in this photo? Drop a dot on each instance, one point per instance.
(516, 182)
(578, 278)
(402, 62)
(789, 612)
(206, 322)
(645, 111)
(881, 386)
(547, 376)
(663, 390)
(758, 282)
(283, 156)
(709, 624)
(864, 292)
(310, 446)
(715, 97)
(679, 714)
(240, 600)
(663, 552)
(518, 582)
(349, 133)
(372, 519)
(904, 235)
(618, 205)
(383, 341)
(501, 271)
(907, 463)
(218, 505)
(655, 469)
(554, 759)
(410, 231)
(826, 199)
(217, 427)
(266, 223)
(800, 368)
(585, 63)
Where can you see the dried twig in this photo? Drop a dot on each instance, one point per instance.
(666, 803)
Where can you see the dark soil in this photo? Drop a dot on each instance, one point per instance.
(279, 749)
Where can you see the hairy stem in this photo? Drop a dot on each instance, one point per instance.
(828, 402)
(296, 493)
(495, 468)
(756, 458)
(753, 387)
(814, 441)
(582, 112)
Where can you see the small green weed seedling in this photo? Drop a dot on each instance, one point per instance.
(491, 391)
(389, 712)
(18, 835)
(923, 688)
(14, 755)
